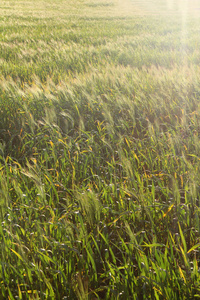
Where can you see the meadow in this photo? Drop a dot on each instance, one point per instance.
(99, 149)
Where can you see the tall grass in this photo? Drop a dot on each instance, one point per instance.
(99, 150)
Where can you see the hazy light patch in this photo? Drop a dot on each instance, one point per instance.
(166, 7)
(170, 4)
(184, 15)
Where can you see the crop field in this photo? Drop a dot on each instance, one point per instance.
(100, 149)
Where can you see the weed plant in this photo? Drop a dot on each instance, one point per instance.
(99, 149)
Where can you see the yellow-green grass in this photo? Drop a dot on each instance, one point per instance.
(99, 149)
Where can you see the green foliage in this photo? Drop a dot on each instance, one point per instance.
(99, 150)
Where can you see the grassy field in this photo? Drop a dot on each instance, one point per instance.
(100, 149)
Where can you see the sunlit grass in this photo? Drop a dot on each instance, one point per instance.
(99, 149)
